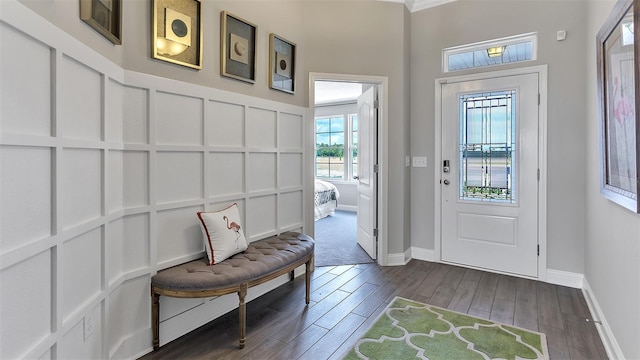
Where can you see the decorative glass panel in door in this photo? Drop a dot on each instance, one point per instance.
(487, 147)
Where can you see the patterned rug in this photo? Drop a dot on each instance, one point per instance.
(407, 329)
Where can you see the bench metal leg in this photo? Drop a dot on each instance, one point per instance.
(242, 309)
(155, 319)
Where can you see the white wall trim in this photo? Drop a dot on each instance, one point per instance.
(383, 153)
(606, 334)
(565, 278)
(541, 70)
(423, 254)
(348, 208)
(398, 259)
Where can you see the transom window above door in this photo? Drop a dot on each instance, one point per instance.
(493, 52)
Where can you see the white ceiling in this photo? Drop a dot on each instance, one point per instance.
(336, 92)
(417, 5)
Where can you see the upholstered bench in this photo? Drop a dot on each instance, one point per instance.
(263, 260)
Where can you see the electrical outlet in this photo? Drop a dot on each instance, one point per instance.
(419, 161)
(407, 161)
(89, 324)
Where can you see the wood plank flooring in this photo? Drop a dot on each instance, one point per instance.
(345, 300)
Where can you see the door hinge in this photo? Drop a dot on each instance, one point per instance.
(376, 168)
(376, 104)
(538, 99)
(538, 174)
(375, 232)
(538, 250)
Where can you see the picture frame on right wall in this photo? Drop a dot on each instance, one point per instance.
(282, 61)
(618, 59)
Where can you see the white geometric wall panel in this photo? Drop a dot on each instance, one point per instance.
(225, 124)
(178, 235)
(290, 209)
(179, 119)
(27, 313)
(113, 111)
(226, 173)
(115, 181)
(81, 266)
(81, 186)
(29, 186)
(290, 131)
(20, 51)
(262, 128)
(114, 251)
(180, 176)
(136, 249)
(262, 172)
(80, 114)
(290, 170)
(135, 116)
(102, 172)
(261, 217)
(135, 178)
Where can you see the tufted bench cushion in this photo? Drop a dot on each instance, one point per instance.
(263, 260)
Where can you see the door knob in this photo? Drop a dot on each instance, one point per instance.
(446, 182)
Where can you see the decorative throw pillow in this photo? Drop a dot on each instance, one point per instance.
(222, 233)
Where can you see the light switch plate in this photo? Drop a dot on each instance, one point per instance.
(419, 161)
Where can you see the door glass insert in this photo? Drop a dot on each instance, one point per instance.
(488, 147)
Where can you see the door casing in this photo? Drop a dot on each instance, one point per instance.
(383, 176)
(541, 70)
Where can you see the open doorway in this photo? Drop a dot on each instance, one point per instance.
(345, 171)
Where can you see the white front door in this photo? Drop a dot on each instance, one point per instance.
(367, 177)
(489, 174)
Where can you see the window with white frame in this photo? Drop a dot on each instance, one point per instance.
(336, 147)
(493, 52)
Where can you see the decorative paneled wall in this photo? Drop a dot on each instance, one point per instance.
(102, 171)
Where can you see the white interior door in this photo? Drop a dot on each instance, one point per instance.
(367, 207)
(489, 183)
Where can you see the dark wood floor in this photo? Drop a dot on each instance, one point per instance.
(345, 300)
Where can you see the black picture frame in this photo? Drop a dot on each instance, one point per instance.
(618, 64)
(282, 64)
(104, 16)
(237, 48)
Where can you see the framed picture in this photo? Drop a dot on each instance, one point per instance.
(282, 64)
(618, 51)
(237, 48)
(176, 32)
(104, 16)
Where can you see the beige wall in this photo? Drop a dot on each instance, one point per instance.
(612, 246)
(368, 38)
(465, 22)
(352, 37)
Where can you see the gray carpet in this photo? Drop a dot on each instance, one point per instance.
(336, 241)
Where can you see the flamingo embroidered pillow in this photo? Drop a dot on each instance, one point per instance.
(222, 233)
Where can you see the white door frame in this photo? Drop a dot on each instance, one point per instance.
(541, 70)
(383, 153)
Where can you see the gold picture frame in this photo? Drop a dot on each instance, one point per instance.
(104, 16)
(282, 64)
(176, 32)
(618, 58)
(237, 48)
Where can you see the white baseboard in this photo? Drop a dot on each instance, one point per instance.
(347, 208)
(423, 254)
(565, 278)
(606, 334)
(399, 259)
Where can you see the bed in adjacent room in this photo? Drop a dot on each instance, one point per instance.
(325, 199)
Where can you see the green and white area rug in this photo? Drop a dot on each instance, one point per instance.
(407, 329)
